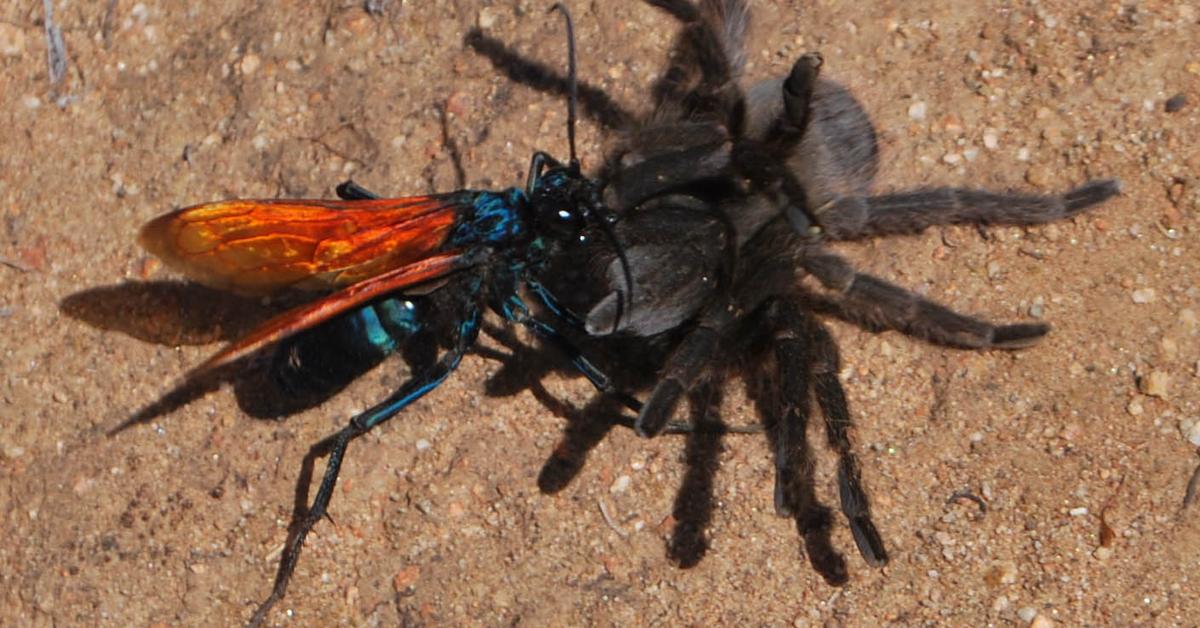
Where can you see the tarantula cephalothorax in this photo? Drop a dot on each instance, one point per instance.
(726, 197)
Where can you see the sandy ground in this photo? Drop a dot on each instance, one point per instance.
(1077, 445)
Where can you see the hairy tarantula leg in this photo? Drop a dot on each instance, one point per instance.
(336, 445)
(878, 305)
(595, 103)
(795, 494)
(683, 369)
(707, 58)
(832, 400)
(911, 212)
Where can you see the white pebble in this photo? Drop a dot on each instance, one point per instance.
(916, 111)
(423, 444)
(249, 64)
(620, 485)
(1143, 295)
(1078, 512)
(952, 158)
(1041, 621)
(1193, 434)
(991, 141)
(1027, 613)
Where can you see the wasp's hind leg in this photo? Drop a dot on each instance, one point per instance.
(335, 445)
(350, 191)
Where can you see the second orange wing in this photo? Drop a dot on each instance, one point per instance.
(260, 247)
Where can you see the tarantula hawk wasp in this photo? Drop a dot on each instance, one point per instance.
(389, 263)
(726, 197)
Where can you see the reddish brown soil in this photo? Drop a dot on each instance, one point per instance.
(179, 521)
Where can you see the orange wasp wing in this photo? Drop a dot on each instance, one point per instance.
(263, 246)
(310, 314)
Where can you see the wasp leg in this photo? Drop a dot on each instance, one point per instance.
(350, 191)
(336, 445)
(598, 378)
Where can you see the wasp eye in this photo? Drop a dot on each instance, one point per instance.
(565, 214)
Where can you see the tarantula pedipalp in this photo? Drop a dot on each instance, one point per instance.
(727, 197)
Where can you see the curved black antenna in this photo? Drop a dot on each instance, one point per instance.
(606, 227)
(574, 86)
(597, 209)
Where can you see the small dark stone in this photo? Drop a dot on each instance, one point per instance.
(1176, 102)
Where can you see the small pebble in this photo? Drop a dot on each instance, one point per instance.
(1102, 553)
(1078, 512)
(1188, 318)
(993, 269)
(1175, 103)
(620, 485)
(1155, 384)
(1192, 434)
(12, 40)
(1134, 407)
(991, 140)
(406, 578)
(1143, 295)
(1027, 613)
(1041, 176)
(249, 64)
(1041, 621)
(423, 444)
(917, 110)
(487, 17)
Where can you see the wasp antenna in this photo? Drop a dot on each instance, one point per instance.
(622, 297)
(574, 94)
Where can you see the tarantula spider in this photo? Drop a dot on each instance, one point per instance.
(726, 198)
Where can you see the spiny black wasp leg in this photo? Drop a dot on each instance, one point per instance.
(518, 312)
(515, 310)
(878, 304)
(795, 491)
(351, 191)
(683, 369)
(913, 211)
(832, 400)
(413, 389)
(555, 307)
